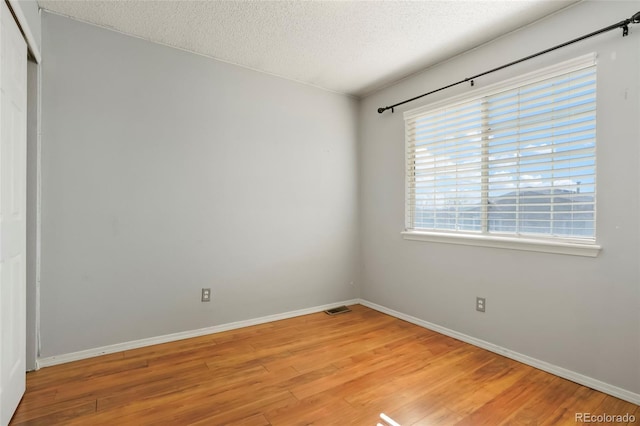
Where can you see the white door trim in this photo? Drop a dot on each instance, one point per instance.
(13, 223)
(23, 23)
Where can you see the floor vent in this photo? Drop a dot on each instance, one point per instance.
(338, 310)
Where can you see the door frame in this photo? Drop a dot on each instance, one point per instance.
(26, 13)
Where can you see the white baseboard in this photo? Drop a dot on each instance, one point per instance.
(135, 344)
(581, 379)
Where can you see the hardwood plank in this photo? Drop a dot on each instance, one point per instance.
(81, 374)
(215, 394)
(53, 415)
(614, 406)
(635, 420)
(584, 400)
(408, 382)
(441, 416)
(330, 408)
(151, 387)
(503, 407)
(253, 420)
(541, 405)
(120, 381)
(313, 369)
(462, 396)
(47, 375)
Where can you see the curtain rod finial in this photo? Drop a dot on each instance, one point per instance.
(636, 18)
(381, 110)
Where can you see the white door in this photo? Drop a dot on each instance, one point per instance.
(13, 128)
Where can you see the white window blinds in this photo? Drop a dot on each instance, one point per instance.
(518, 159)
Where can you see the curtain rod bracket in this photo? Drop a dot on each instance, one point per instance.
(625, 30)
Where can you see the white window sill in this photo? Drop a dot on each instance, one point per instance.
(527, 244)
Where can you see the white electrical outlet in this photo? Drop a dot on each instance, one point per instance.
(206, 295)
(481, 304)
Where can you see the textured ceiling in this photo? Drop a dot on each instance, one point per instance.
(352, 47)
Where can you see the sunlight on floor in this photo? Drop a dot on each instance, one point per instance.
(389, 420)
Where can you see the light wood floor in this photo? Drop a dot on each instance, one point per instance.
(315, 369)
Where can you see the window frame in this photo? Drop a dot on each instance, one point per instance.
(546, 244)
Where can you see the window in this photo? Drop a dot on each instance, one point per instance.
(514, 163)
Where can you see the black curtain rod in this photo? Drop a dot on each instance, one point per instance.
(635, 19)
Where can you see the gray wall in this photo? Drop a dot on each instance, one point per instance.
(575, 312)
(164, 172)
